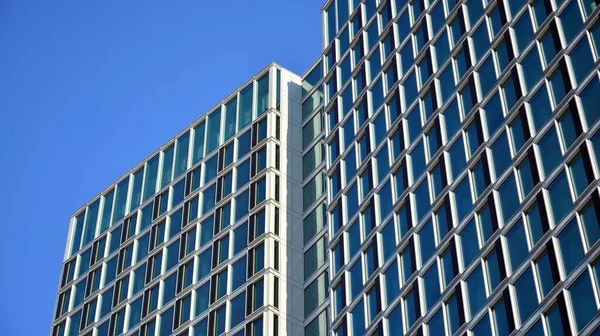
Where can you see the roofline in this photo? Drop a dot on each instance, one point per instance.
(180, 133)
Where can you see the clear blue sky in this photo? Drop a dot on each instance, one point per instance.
(90, 88)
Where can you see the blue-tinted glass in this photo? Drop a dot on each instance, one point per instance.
(532, 68)
(463, 199)
(383, 163)
(501, 319)
(91, 221)
(526, 176)
(354, 238)
(358, 313)
(404, 219)
(374, 302)
(238, 277)
(449, 265)
(518, 129)
(541, 110)
(481, 40)
(121, 198)
(414, 124)
(452, 119)
(591, 225)
(422, 199)
(386, 201)
(571, 21)
(339, 297)
(517, 245)
(480, 178)
(582, 299)
(474, 136)
(524, 31)
(388, 237)
(413, 310)
(589, 101)
(392, 285)
(487, 75)
(495, 273)
(509, 198)
(557, 84)
(426, 241)
(408, 262)
(526, 295)
(570, 246)
(432, 286)
(205, 264)
(338, 257)
(371, 259)
(549, 47)
(475, 9)
(545, 273)
(582, 60)
(438, 179)
(476, 290)
(536, 226)
(237, 310)
(555, 319)
(454, 309)
(483, 327)
(568, 128)
(418, 160)
(560, 197)
(436, 324)
(447, 85)
(469, 243)
(457, 157)
(536, 330)
(550, 147)
(434, 141)
(578, 174)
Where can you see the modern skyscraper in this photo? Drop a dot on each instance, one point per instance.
(434, 172)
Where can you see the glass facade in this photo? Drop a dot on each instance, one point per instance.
(461, 166)
(189, 241)
(433, 172)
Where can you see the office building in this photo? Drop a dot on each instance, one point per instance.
(434, 172)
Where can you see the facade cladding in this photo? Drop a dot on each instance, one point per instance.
(434, 172)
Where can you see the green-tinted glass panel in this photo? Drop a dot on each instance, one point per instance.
(198, 151)
(213, 136)
(150, 178)
(77, 232)
(245, 113)
(230, 118)
(91, 222)
(262, 93)
(136, 189)
(183, 145)
(121, 200)
(167, 166)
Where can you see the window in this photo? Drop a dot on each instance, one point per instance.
(582, 300)
(238, 275)
(469, 243)
(525, 293)
(560, 197)
(476, 290)
(570, 246)
(550, 147)
(517, 245)
(432, 286)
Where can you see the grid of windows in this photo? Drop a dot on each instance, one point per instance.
(178, 245)
(316, 277)
(449, 178)
(462, 165)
